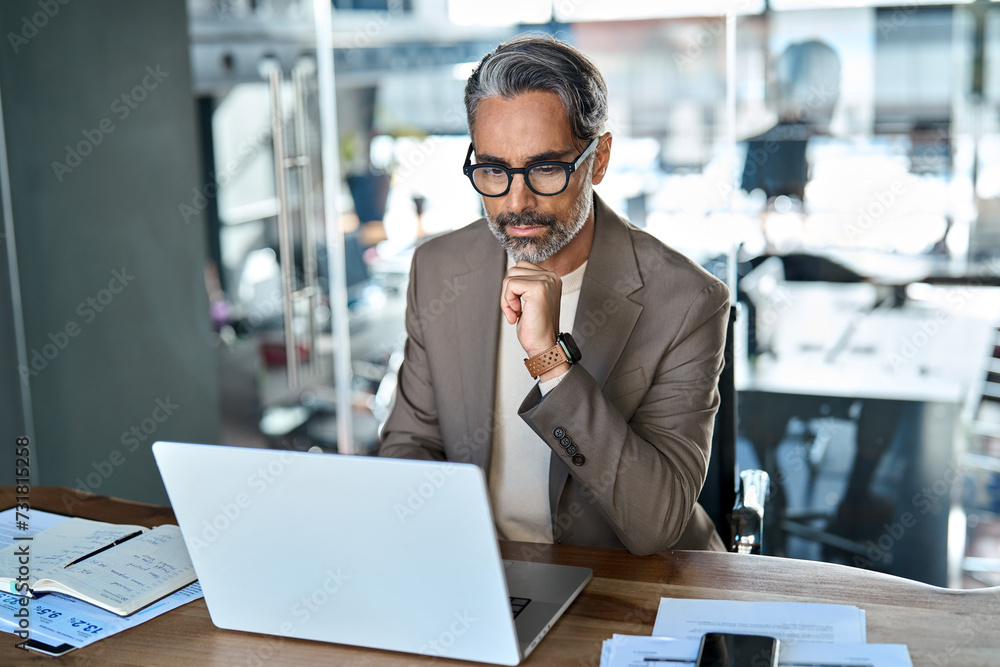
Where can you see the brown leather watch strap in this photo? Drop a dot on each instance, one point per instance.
(543, 361)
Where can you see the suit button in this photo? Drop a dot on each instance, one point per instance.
(565, 442)
(559, 433)
(572, 450)
(579, 460)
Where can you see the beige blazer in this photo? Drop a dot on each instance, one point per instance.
(638, 408)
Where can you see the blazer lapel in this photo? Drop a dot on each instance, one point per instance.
(478, 333)
(605, 316)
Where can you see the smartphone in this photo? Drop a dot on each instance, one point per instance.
(722, 649)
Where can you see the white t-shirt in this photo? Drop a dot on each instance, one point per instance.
(519, 466)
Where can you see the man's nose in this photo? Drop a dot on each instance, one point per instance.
(520, 196)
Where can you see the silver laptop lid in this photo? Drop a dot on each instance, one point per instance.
(390, 554)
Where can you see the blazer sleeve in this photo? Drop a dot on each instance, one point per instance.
(412, 429)
(645, 472)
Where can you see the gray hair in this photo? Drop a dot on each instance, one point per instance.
(530, 63)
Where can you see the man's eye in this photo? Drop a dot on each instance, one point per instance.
(545, 170)
(492, 172)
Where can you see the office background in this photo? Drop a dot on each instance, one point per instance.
(142, 293)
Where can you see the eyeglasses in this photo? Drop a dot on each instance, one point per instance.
(543, 178)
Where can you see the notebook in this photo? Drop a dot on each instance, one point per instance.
(382, 553)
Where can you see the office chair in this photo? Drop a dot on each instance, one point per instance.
(738, 511)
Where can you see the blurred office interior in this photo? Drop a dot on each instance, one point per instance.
(209, 211)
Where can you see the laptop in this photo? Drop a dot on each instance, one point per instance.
(383, 553)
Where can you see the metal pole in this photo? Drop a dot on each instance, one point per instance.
(17, 311)
(287, 257)
(323, 12)
(731, 275)
(308, 231)
(728, 421)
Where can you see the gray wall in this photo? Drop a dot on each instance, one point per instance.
(12, 416)
(116, 314)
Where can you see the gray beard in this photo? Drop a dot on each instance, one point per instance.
(557, 235)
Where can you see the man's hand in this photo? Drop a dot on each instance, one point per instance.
(530, 297)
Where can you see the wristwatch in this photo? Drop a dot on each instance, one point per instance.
(565, 350)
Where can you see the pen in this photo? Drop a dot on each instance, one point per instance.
(105, 548)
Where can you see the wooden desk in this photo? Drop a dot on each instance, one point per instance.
(941, 626)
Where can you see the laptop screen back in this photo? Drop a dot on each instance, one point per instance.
(390, 554)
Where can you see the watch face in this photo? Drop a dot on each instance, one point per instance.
(569, 345)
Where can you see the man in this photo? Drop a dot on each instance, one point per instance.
(607, 450)
(806, 88)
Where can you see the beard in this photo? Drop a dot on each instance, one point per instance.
(553, 238)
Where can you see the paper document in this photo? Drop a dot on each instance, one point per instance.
(57, 619)
(788, 621)
(633, 651)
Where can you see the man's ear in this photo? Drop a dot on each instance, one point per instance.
(602, 156)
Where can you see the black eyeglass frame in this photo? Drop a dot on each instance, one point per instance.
(568, 167)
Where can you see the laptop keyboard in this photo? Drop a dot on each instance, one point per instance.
(517, 605)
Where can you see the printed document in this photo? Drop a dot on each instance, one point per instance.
(633, 651)
(788, 621)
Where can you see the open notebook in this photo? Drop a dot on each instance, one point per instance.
(118, 568)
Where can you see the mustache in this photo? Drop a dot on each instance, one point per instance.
(527, 219)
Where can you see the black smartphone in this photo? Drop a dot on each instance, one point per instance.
(722, 649)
